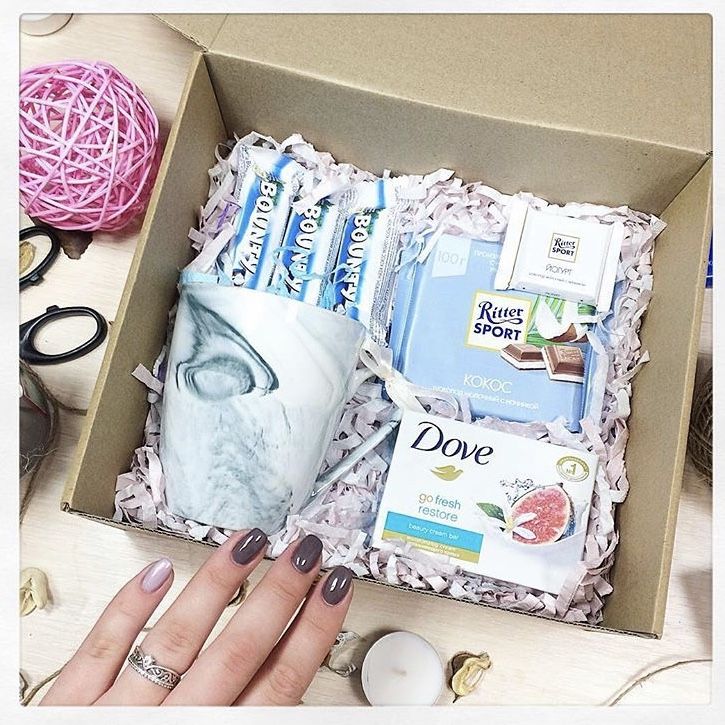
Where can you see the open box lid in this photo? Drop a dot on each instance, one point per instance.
(638, 76)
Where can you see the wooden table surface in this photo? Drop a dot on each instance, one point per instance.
(534, 661)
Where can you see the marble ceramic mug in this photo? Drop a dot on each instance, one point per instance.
(255, 387)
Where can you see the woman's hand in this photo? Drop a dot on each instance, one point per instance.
(247, 664)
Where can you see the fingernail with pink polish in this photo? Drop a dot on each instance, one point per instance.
(156, 575)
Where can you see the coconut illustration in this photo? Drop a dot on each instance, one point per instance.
(553, 514)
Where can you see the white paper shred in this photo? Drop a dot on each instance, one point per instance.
(343, 515)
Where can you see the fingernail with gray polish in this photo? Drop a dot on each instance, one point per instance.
(249, 546)
(156, 575)
(337, 585)
(307, 554)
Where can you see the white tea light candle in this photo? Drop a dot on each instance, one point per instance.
(402, 668)
(43, 23)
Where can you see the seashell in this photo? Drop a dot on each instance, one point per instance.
(34, 591)
(467, 672)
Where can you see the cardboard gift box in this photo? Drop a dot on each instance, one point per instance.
(611, 109)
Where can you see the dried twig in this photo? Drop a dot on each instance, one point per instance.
(643, 678)
(33, 691)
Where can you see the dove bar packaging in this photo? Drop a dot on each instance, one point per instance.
(496, 504)
(452, 332)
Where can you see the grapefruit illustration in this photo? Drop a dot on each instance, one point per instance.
(554, 514)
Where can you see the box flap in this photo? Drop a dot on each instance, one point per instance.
(662, 395)
(645, 77)
(199, 28)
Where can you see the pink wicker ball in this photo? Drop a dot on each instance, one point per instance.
(89, 144)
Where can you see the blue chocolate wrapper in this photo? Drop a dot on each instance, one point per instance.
(364, 278)
(308, 253)
(449, 327)
(266, 184)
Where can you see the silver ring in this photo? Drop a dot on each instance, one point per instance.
(149, 668)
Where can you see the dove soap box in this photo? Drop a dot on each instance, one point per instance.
(496, 504)
(452, 331)
(553, 254)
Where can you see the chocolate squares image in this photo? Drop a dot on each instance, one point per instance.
(523, 356)
(564, 363)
